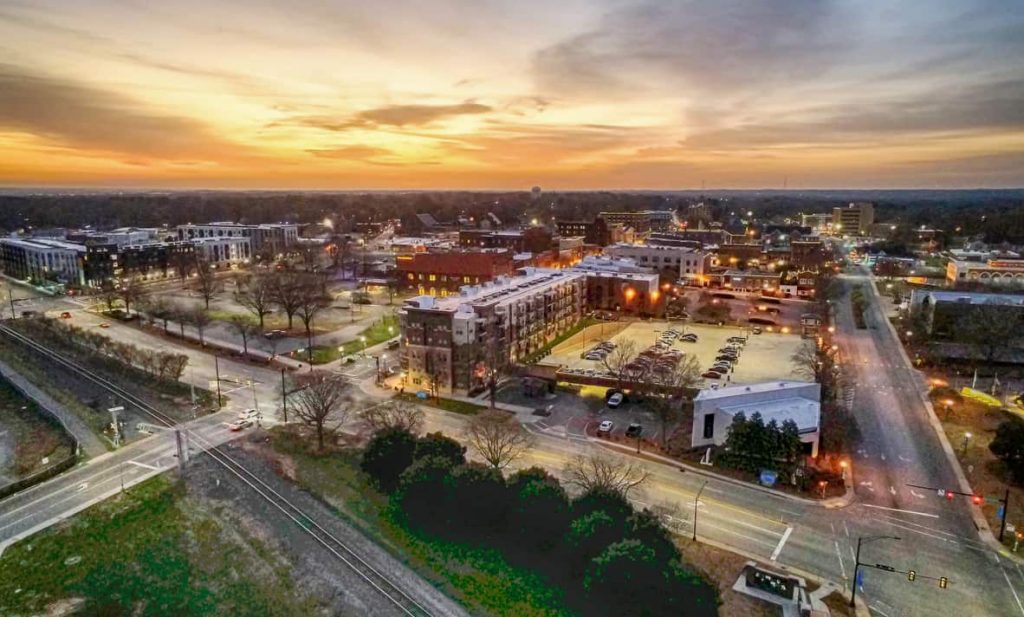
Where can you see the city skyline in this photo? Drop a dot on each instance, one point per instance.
(618, 95)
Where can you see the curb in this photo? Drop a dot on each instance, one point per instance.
(984, 531)
(830, 504)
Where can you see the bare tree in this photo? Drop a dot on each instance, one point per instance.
(130, 291)
(286, 293)
(322, 403)
(665, 390)
(207, 283)
(245, 327)
(990, 329)
(311, 301)
(110, 294)
(608, 472)
(619, 360)
(394, 414)
(255, 295)
(198, 317)
(498, 437)
(815, 364)
(184, 263)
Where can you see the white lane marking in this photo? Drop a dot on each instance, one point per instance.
(1013, 591)
(905, 459)
(782, 542)
(144, 466)
(868, 505)
(916, 494)
(839, 556)
(892, 490)
(846, 529)
(878, 610)
(866, 483)
(83, 486)
(883, 457)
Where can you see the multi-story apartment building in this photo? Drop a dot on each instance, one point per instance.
(150, 260)
(598, 232)
(529, 240)
(459, 342)
(642, 221)
(854, 219)
(43, 259)
(268, 237)
(679, 262)
(621, 285)
(443, 273)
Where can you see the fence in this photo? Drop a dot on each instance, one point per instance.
(54, 469)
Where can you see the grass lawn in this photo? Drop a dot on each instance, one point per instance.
(987, 475)
(478, 577)
(151, 552)
(445, 404)
(34, 438)
(382, 330)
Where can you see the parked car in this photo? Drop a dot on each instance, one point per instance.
(393, 344)
(711, 375)
(238, 425)
(605, 427)
(65, 315)
(248, 414)
(756, 330)
(615, 400)
(104, 325)
(634, 430)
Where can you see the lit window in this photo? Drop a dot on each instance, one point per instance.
(433, 277)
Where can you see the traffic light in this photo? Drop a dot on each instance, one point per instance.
(911, 576)
(976, 499)
(943, 582)
(949, 495)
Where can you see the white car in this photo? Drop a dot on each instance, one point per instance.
(248, 414)
(615, 400)
(605, 427)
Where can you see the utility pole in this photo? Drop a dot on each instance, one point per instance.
(216, 369)
(284, 398)
(255, 401)
(10, 294)
(696, 499)
(1005, 509)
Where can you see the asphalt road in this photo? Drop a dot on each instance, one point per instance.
(938, 538)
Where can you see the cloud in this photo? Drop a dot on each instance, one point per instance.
(350, 152)
(81, 116)
(674, 46)
(981, 107)
(390, 115)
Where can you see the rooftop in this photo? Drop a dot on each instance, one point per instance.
(43, 243)
(976, 297)
(503, 289)
(753, 388)
(804, 412)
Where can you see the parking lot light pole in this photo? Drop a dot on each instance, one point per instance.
(696, 500)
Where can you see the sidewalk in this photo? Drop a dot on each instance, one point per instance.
(90, 443)
(984, 531)
(831, 503)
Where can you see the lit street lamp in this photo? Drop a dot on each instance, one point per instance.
(963, 446)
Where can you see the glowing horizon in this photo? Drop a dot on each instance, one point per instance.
(507, 95)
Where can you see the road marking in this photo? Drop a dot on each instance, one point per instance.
(782, 542)
(868, 505)
(916, 494)
(1013, 591)
(144, 466)
(892, 490)
(878, 610)
(846, 529)
(883, 457)
(905, 459)
(83, 486)
(839, 556)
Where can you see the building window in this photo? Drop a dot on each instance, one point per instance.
(709, 425)
(465, 279)
(433, 277)
(411, 276)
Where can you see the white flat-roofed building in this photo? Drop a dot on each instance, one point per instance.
(224, 252)
(993, 271)
(715, 409)
(682, 261)
(40, 259)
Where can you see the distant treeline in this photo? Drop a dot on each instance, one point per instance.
(997, 215)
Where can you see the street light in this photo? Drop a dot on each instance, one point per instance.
(696, 499)
(967, 440)
(856, 565)
(948, 403)
(362, 339)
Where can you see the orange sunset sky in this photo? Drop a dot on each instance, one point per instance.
(488, 94)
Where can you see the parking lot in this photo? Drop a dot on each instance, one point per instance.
(764, 357)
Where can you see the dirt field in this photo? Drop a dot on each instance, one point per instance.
(765, 357)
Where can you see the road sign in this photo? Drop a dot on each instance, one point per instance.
(1002, 510)
(882, 566)
(941, 492)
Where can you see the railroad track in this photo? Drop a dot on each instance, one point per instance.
(391, 591)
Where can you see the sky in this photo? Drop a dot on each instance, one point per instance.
(488, 94)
